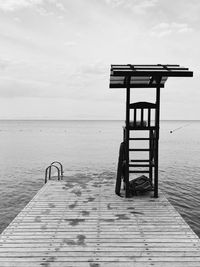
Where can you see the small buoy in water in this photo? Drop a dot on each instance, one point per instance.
(179, 128)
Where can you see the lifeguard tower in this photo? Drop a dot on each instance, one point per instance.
(142, 118)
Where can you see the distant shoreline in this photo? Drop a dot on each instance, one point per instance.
(85, 120)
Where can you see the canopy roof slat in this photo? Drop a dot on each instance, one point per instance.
(144, 76)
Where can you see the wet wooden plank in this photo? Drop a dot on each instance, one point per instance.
(83, 223)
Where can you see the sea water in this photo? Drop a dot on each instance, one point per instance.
(88, 148)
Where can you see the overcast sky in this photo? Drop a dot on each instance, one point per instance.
(55, 56)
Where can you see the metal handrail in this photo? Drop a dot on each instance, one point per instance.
(61, 168)
(48, 170)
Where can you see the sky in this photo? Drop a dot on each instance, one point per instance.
(55, 56)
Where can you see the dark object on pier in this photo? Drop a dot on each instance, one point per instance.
(140, 184)
(121, 167)
(141, 116)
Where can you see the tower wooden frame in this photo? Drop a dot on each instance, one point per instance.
(142, 76)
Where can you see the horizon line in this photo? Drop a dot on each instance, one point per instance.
(90, 119)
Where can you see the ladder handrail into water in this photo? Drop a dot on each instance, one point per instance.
(61, 168)
(48, 171)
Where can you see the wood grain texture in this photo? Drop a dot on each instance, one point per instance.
(83, 223)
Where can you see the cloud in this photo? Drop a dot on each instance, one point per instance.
(43, 11)
(60, 6)
(142, 6)
(13, 87)
(164, 29)
(11, 5)
(70, 43)
(17, 19)
(3, 64)
(137, 6)
(72, 87)
(21, 79)
(95, 68)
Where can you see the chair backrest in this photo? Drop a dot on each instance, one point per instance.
(142, 115)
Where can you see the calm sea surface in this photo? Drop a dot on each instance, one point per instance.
(90, 148)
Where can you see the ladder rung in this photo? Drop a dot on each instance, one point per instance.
(138, 171)
(139, 149)
(139, 138)
(140, 160)
(141, 165)
(141, 128)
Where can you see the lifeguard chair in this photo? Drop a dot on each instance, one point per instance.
(142, 118)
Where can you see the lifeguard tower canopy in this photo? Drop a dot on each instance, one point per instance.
(145, 76)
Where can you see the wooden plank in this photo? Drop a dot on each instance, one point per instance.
(93, 263)
(145, 72)
(104, 259)
(105, 253)
(87, 225)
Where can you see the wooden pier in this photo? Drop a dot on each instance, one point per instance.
(82, 222)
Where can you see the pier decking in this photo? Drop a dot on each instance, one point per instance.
(83, 223)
